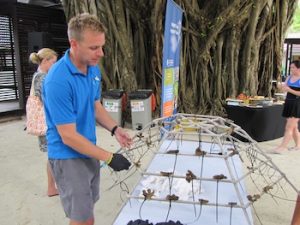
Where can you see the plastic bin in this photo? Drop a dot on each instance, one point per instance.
(141, 110)
(112, 102)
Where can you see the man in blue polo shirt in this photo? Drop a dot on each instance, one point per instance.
(71, 98)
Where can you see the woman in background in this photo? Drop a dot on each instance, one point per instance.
(44, 58)
(291, 108)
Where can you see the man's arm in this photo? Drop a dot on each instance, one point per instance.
(76, 141)
(103, 117)
(73, 139)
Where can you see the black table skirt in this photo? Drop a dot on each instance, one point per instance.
(262, 124)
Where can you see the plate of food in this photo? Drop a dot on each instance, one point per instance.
(233, 101)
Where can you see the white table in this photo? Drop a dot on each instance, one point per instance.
(228, 191)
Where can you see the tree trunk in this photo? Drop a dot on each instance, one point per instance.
(228, 47)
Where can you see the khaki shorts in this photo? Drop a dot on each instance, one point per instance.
(78, 182)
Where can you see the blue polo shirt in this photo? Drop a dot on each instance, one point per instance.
(69, 97)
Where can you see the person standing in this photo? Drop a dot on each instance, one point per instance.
(72, 105)
(44, 58)
(291, 108)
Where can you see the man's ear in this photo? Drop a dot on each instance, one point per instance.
(73, 43)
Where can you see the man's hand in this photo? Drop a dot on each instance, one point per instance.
(119, 162)
(123, 137)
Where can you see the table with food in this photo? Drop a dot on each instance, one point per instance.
(259, 116)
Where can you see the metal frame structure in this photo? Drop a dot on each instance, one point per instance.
(225, 144)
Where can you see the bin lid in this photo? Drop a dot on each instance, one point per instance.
(140, 94)
(113, 94)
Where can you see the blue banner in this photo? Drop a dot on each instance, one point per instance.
(171, 58)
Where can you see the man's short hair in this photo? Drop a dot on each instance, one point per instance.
(78, 24)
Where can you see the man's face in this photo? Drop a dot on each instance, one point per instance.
(90, 48)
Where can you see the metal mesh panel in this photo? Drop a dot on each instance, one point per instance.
(8, 84)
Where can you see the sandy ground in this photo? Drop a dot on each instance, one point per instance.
(23, 198)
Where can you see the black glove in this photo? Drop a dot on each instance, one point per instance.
(119, 162)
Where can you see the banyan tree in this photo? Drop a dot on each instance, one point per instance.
(228, 46)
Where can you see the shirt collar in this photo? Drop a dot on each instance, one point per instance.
(71, 66)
